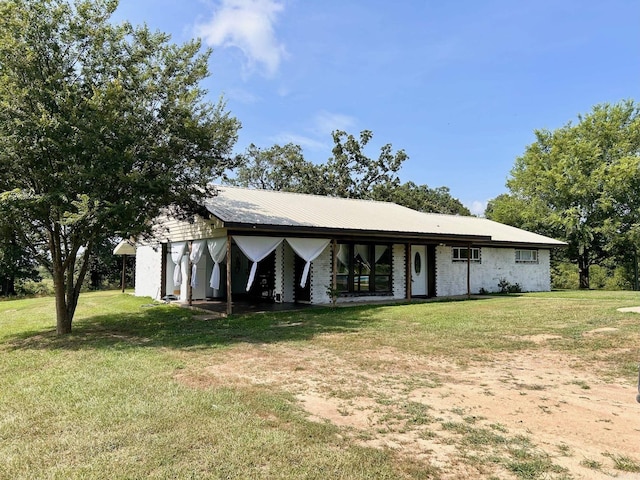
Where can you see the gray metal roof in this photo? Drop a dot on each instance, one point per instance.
(263, 209)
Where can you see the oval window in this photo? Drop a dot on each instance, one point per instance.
(417, 263)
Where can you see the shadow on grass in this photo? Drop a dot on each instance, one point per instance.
(173, 327)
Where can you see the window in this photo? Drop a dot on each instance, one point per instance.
(363, 268)
(459, 254)
(526, 256)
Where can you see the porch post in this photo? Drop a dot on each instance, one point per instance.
(229, 304)
(124, 265)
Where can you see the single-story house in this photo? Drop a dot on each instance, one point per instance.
(289, 247)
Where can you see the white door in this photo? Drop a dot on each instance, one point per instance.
(418, 270)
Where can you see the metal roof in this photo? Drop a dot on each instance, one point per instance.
(268, 210)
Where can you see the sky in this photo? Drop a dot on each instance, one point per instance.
(459, 85)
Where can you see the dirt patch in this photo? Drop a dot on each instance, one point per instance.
(445, 414)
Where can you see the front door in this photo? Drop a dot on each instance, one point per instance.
(418, 271)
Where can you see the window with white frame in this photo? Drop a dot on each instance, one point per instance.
(526, 256)
(460, 254)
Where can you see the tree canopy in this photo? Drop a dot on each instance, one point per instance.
(580, 183)
(348, 173)
(102, 126)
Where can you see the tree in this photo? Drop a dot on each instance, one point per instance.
(421, 198)
(580, 183)
(351, 174)
(15, 262)
(279, 168)
(102, 128)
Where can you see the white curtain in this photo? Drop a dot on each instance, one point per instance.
(343, 254)
(363, 251)
(197, 248)
(256, 249)
(218, 251)
(177, 251)
(308, 249)
(380, 251)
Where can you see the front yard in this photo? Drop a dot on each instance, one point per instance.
(527, 386)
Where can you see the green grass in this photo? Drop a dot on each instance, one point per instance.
(104, 401)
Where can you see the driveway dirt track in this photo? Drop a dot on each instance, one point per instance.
(440, 412)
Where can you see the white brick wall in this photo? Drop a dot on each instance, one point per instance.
(148, 271)
(497, 264)
(321, 276)
(289, 280)
(399, 271)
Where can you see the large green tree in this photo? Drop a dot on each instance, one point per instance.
(421, 198)
(279, 168)
(580, 183)
(102, 127)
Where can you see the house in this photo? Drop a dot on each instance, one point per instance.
(289, 247)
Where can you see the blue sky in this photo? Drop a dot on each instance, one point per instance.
(460, 85)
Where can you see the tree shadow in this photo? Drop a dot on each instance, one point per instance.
(177, 328)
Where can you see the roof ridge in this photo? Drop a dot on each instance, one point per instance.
(308, 195)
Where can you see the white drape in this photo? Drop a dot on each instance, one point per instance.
(256, 249)
(343, 254)
(197, 249)
(218, 251)
(380, 251)
(308, 249)
(177, 251)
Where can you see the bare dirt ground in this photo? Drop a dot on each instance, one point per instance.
(451, 414)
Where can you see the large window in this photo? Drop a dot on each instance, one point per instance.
(363, 268)
(460, 254)
(526, 256)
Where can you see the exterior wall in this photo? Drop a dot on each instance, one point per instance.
(288, 288)
(497, 264)
(172, 230)
(321, 277)
(148, 271)
(284, 273)
(399, 278)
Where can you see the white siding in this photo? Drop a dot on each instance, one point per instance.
(148, 271)
(497, 264)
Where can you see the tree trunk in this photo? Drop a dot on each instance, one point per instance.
(583, 271)
(63, 320)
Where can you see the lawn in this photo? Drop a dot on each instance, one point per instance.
(406, 391)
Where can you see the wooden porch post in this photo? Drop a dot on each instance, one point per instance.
(124, 266)
(229, 299)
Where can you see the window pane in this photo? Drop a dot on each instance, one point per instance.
(342, 267)
(383, 259)
(361, 267)
(383, 283)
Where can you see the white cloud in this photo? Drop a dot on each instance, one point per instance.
(249, 26)
(327, 122)
(477, 207)
(303, 141)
